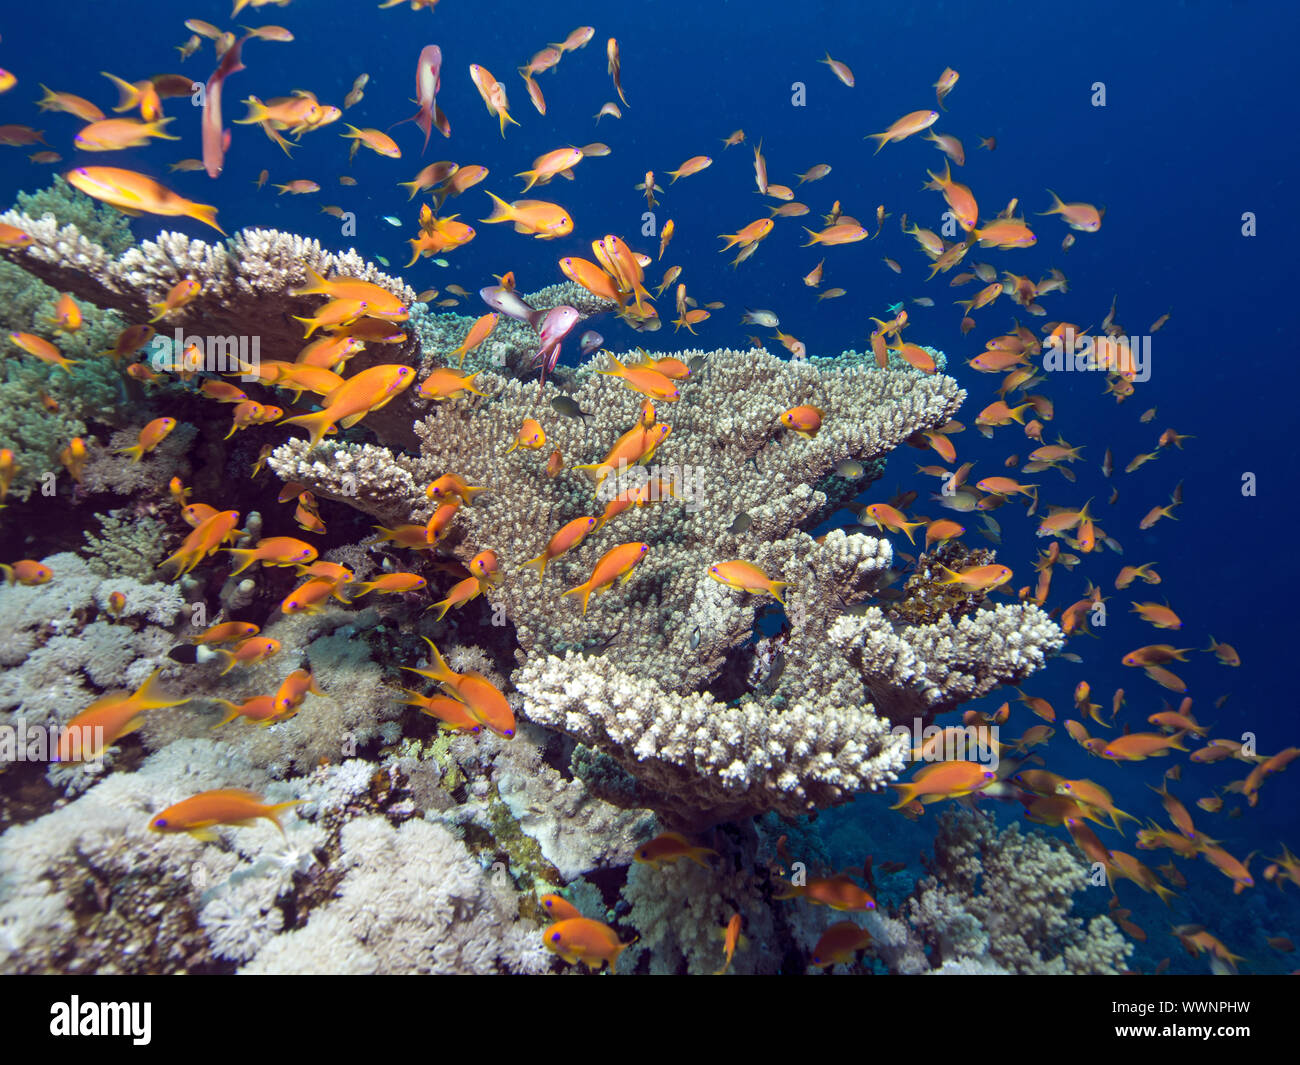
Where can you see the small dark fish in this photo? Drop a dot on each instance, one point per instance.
(850, 469)
(741, 524)
(695, 638)
(1070, 656)
(590, 341)
(568, 407)
(697, 363)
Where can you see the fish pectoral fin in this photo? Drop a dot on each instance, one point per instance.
(132, 726)
(204, 833)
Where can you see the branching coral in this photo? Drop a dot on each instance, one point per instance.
(671, 641)
(1006, 897)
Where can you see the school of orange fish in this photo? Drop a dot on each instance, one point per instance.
(356, 312)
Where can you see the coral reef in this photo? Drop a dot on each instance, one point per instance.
(671, 702)
(673, 634)
(1005, 898)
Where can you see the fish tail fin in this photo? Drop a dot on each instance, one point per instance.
(155, 129)
(813, 238)
(441, 672)
(273, 812)
(128, 95)
(882, 137)
(539, 563)
(205, 213)
(229, 658)
(583, 590)
(231, 713)
(501, 211)
(1056, 204)
(245, 557)
(136, 451)
(150, 697)
(906, 794)
(256, 112)
(316, 285)
(316, 424)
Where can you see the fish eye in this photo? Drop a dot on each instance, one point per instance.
(555, 938)
(160, 822)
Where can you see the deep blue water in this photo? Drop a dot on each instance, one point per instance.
(1196, 132)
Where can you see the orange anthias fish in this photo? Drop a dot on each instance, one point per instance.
(1081, 216)
(569, 537)
(151, 436)
(943, 780)
(648, 382)
(226, 806)
(978, 578)
(485, 701)
(108, 719)
(130, 191)
(913, 122)
(543, 220)
(883, 516)
(493, 94)
(668, 847)
(206, 538)
(837, 892)
(840, 70)
(274, 551)
(367, 391)
(840, 944)
(805, 420)
(617, 563)
(580, 939)
(746, 577)
(731, 940)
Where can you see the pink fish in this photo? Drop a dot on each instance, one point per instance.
(505, 301)
(552, 328)
(428, 80)
(215, 139)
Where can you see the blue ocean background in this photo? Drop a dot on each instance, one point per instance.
(1195, 135)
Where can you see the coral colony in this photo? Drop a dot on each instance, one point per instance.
(360, 637)
(419, 849)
